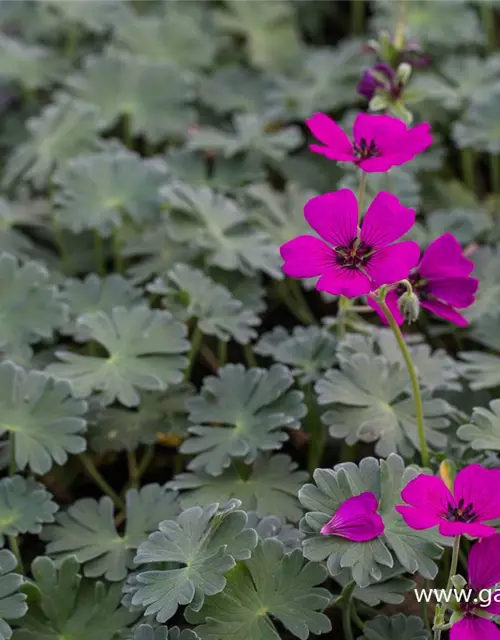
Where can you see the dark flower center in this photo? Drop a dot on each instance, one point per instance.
(461, 512)
(364, 149)
(354, 256)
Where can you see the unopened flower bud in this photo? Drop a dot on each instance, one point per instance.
(403, 73)
(409, 306)
(447, 472)
(378, 103)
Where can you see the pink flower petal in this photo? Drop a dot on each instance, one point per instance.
(391, 300)
(332, 153)
(334, 216)
(378, 128)
(474, 628)
(383, 163)
(428, 493)
(340, 281)
(306, 257)
(479, 486)
(393, 263)
(459, 292)
(385, 221)
(483, 565)
(444, 257)
(328, 132)
(444, 311)
(356, 519)
(494, 606)
(472, 529)
(417, 518)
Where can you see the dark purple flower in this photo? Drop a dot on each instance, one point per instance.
(381, 75)
(356, 519)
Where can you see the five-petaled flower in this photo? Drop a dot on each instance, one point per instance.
(441, 281)
(356, 519)
(483, 566)
(380, 141)
(474, 501)
(349, 261)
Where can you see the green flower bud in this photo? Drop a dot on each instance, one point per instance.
(409, 306)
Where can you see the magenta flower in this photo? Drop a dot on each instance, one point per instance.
(380, 141)
(475, 500)
(356, 519)
(484, 573)
(441, 281)
(352, 262)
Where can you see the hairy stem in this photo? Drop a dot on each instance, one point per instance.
(14, 547)
(439, 614)
(249, 356)
(93, 473)
(346, 610)
(361, 194)
(417, 396)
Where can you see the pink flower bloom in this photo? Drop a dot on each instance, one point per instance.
(353, 262)
(475, 500)
(484, 573)
(441, 281)
(356, 519)
(380, 141)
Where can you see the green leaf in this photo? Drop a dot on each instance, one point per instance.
(64, 129)
(145, 350)
(147, 632)
(466, 225)
(31, 307)
(271, 34)
(273, 527)
(217, 226)
(32, 66)
(371, 403)
(479, 128)
(392, 588)
(249, 291)
(12, 603)
(251, 408)
(481, 369)
(250, 133)
(398, 627)
(153, 97)
(118, 429)
(179, 34)
(100, 190)
(429, 23)
(200, 547)
(236, 88)
(483, 430)
(309, 351)
(190, 294)
(270, 489)
(94, 293)
(271, 585)
(65, 606)
(24, 506)
(155, 252)
(41, 417)
(486, 267)
(98, 17)
(435, 369)
(414, 550)
(87, 530)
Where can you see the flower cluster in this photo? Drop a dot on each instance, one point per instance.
(355, 256)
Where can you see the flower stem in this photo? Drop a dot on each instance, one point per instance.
(133, 471)
(361, 194)
(495, 173)
(417, 397)
(146, 460)
(12, 454)
(357, 16)
(195, 347)
(488, 18)
(222, 352)
(346, 610)
(14, 547)
(249, 356)
(468, 168)
(300, 298)
(355, 618)
(439, 614)
(317, 430)
(93, 473)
